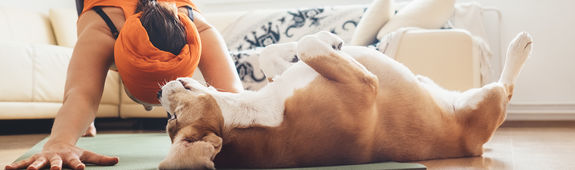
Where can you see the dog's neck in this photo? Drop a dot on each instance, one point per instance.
(248, 108)
(266, 106)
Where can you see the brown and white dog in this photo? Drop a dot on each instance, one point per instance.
(338, 105)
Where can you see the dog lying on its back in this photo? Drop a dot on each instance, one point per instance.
(338, 105)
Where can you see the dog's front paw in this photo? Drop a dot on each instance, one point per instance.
(276, 58)
(311, 46)
(331, 39)
(318, 44)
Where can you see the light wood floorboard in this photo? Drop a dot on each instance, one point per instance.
(514, 146)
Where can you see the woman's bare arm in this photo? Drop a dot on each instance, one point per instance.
(216, 64)
(85, 79)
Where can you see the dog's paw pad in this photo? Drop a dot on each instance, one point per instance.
(311, 46)
(333, 40)
(520, 46)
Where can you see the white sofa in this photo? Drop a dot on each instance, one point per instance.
(35, 48)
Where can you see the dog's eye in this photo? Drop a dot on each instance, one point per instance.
(189, 140)
(171, 116)
(187, 88)
(194, 137)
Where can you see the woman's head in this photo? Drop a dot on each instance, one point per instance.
(161, 21)
(155, 45)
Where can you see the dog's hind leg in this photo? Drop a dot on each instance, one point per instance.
(481, 111)
(517, 53)
(322, 52)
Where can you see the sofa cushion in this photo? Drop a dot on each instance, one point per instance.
(64, 24)
(37, 73)
(445, 56)
(17, 72)
(34, 76)
(23, 25)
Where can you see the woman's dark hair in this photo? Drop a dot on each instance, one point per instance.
(164, 29)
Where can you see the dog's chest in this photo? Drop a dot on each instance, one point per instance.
(265, 107)
(296, 77)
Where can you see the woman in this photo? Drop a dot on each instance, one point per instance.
(167, 29)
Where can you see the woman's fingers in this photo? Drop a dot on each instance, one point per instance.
(75, 163)
(55, 163)
(39, 163)
(20, 164)
(91, 157)
(73, 159)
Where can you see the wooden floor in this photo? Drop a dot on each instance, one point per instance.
(516, 145)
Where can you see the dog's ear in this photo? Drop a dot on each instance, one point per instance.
(216, 142)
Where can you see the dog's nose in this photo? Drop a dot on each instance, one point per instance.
(159, 95)
(185, 84)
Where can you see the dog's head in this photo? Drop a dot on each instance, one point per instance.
(195, 124)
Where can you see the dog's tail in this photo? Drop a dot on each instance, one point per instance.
(517, 53)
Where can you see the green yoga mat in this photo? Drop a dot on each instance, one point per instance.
(145, 151)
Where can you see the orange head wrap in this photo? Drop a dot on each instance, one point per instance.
(145, 68)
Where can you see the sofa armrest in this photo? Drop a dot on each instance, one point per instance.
(445, 56)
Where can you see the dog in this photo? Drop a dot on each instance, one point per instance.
(337, 105)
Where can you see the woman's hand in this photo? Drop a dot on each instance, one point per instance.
(58, 154)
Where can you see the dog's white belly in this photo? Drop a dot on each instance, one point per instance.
(276, 93)
(296, 77)
(395, 80)
(273, 96)
(266, 106)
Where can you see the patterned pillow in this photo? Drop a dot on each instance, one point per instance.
(262, 28)
(248, 68)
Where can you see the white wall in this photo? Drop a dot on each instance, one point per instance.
(38, 5)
